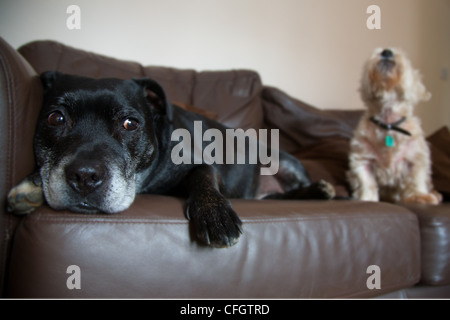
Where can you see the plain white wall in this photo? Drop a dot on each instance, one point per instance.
(312, 49)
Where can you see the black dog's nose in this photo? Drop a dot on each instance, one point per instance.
(85, 176)
(387, 54)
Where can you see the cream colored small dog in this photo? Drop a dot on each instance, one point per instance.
(389, 157)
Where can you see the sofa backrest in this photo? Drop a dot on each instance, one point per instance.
(233, 96)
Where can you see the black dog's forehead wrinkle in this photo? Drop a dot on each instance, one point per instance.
(75, 84)
(66, 82)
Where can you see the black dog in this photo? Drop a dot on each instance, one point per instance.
(98, 142)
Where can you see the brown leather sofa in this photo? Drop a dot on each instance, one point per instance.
(289, 249)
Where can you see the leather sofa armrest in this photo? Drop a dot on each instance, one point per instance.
(20, 102)
(434, 222)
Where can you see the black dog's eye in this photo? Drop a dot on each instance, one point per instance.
(56, 119)
(130, 124)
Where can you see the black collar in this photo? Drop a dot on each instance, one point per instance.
(391, 126)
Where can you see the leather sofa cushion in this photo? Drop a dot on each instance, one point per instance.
(301, 124)
(289, 249)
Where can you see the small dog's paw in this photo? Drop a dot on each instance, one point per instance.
(438, 196)
(215, 222)
(433, 197)
(25, 197)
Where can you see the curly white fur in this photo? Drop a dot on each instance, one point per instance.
(390, 88)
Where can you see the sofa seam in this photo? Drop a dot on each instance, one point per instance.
(11, 121)
(108, 221)
(411, 281)
(139, 220)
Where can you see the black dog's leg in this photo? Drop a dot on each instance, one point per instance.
(320, 190)
(215, 222)
(296, 183)
(27, 195)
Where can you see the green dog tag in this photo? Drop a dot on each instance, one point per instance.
(389, 141)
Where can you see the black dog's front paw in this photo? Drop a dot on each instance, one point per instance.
(215, 221)
(26, 196)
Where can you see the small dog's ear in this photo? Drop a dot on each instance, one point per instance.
(426, 96)
(422, 93)
(366, 91)
(154, 94)
(48, 78)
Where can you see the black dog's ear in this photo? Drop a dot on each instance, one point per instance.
(48, 78)
(154, 94)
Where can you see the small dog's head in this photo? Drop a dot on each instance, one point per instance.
(94, 138)
(389, 80)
